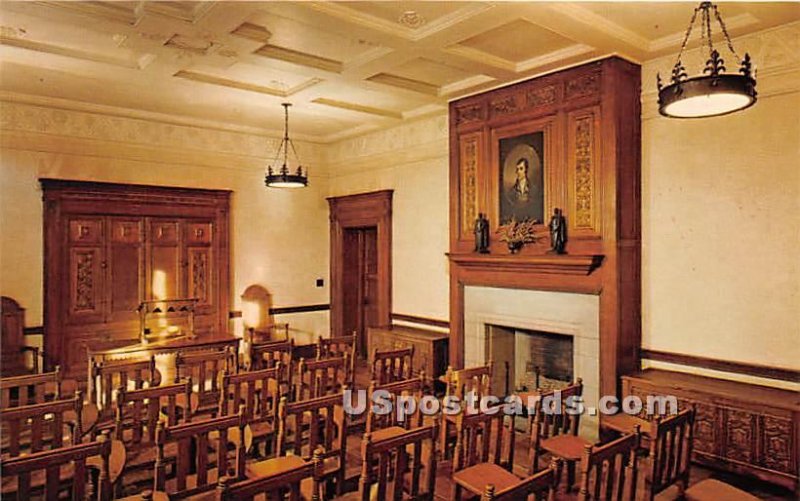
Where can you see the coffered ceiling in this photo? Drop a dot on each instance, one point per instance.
(348, 67)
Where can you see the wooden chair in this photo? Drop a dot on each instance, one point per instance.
(259, 392)
(380, 425)
(105, 377)
(484, 451)
(267, 356)
(609, 472)
(30, 389)
(276, 485)
(542, 486)
(670, 463)
(317, 378)
(340, 346)
(395, 465)
(392, 365)
(458, 384)
(138, 415)
(555, 430)
(64, 466)
(206, 368)
(34, 428)
(12, 334)
(193, 442)
(305, 426)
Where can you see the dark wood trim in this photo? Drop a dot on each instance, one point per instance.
(36, 330)
(433, 322)
(306, 308)
(790, 375)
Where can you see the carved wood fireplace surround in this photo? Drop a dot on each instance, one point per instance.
(590, 118)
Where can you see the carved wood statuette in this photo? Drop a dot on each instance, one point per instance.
(482, 234)
(558, 233)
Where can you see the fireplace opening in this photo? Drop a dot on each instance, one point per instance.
(534, 359)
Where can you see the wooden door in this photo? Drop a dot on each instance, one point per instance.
(164, 260)
(360, 276)
(125, 275)
(361, 263)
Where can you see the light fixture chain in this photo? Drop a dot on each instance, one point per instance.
(686, 37)
(707, 20)
(725, 32)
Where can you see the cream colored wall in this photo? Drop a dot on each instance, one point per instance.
(279, 238)
(721, 218)
(411, 159)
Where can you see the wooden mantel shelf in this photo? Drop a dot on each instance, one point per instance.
(564, 264)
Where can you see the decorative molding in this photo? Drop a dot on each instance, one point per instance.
(237, 84)
(405, 83)
(541, 96)
(546, 264)
(58, 50)
(790, 375)
(433, 322)
(467, 114)
(584, 85)
(360, 108)
(36, 330)
(584, 192)
(300, 58)
(503, 106)
(285, 310)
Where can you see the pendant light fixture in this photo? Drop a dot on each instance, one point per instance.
(714, 92)
(283, 177)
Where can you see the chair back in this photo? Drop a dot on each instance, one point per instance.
(195, 461)
(554, 413)
(392, 365)
(257, 393)
(394, 466)
(317, 378)
(30, 389)
(52, 461)
(542, 486)
(394, 393)
(267, 355)
(206, 368)
(670, 451)
(609, 472)
(307, 425)
(38, 427)
(139, 411)
(470, 379)
(281, 485)
(340, 346)
(484, 437)
(105, 376)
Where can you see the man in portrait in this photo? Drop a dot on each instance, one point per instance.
(521, 178)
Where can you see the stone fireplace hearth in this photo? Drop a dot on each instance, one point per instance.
(558, 313)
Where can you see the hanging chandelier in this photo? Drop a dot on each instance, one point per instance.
(714, 92)
(283, 177)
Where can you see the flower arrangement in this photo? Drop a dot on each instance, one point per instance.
(517, 233)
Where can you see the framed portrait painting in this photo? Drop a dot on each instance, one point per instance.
(521, 183)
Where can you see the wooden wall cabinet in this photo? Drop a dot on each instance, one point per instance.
(110, 246)
(430, 347)
(590, 118)
(743, 428)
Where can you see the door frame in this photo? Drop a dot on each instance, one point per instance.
(359, 211)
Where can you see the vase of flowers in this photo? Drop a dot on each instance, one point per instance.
(517, 233)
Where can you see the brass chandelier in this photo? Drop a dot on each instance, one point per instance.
(714, 92)
(283, 177)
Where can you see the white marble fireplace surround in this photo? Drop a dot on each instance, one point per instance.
(575, 315)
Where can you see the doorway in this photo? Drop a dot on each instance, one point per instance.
(360, 264)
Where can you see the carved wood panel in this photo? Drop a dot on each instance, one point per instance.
(470, 153)
(739, 435)
(125, 270)
(200, 275)
(85, 284)
(583, 173)
(777, 444)
(86, 231)
(705, 428)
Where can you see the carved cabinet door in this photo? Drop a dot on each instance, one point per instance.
(125, 270)
(164, 266)
(199, 258)
(86, 261)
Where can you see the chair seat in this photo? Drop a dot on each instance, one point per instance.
(714, 490)
(383, 434)
(273, 466)
(569, 447)
(475, 478)
(626, 423)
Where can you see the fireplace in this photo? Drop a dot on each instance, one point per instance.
(558, 332)
(534, 359)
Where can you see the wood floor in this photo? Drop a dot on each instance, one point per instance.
(444, 469)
